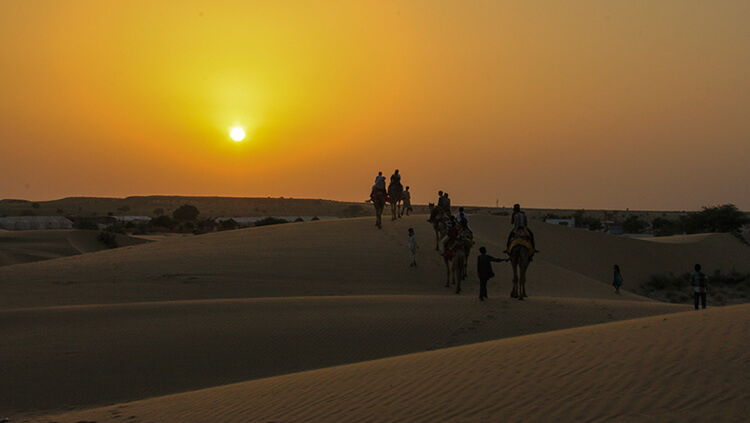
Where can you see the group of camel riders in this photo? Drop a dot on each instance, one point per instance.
(458, 232)
(379, 190)
(458, 227)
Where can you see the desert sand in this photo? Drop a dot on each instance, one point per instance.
(326, 321)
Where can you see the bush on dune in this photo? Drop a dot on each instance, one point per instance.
(723, 288)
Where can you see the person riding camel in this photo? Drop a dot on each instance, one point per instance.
(378, 190)
(520, 228)
(446, 204)
(396, 180)
(380, 180)
(438, 208)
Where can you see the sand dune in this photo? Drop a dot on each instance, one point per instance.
(660, 369)
(291, 322)
(35, 245)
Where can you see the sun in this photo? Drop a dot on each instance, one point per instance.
(237, 134)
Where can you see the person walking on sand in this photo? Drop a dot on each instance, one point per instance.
(699, 280)
(406, 198)
(484, 270)
(617, 283)
(413, 247)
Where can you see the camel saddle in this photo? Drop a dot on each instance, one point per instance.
(521, 237)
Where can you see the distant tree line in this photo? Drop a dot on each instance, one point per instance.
(725, 218)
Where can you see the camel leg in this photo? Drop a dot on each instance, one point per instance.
(447, 272)
(523, 282)
(514, 292)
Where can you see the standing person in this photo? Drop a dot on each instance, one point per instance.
(617, 283)
(406, 198)
(413, 247)
(484, 270)
(699, 280)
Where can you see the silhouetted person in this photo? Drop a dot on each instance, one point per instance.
(519, 221)
(699, 280)
(380, 180)
(447, 204)
(406, 198)
(617, 282)
(438, 207)
(413, 247)
(396, 179)
(484, 270)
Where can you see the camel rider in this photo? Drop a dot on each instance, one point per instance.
(447, 204)
(520, 222)
(437, 208)
(396, 180)
(380, 181)
(461, 216)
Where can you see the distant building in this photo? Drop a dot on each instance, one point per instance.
(19, 223)
(134, 219)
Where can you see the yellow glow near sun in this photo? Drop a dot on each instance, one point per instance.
(237, 134)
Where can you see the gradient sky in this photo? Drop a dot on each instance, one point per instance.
(555, 104)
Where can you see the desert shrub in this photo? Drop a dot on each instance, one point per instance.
(666, 227)
(185, 212)
(724, 218)
(35, 205)
(108, 238)
(299, 219)
(634, 224)
(158, 212)
(314, 218)
(723, 288)
(163, 221)
(270, 221)
(142, 228)
(116, 228)
(584, 221)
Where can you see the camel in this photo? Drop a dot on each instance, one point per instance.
(454, 256)
(520, 256)
(378, 200)
(395, 192)
(439, 225)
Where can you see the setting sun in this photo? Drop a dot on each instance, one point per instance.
(237, 134)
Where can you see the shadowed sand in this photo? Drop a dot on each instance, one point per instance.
(325, 321)
(29, 246)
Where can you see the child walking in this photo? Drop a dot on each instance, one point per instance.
(617, 283)
(413, 247)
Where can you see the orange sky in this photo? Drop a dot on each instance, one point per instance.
(584, 104)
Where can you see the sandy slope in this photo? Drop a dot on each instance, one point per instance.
(28, 246)
(675, 368)
(275, 301)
